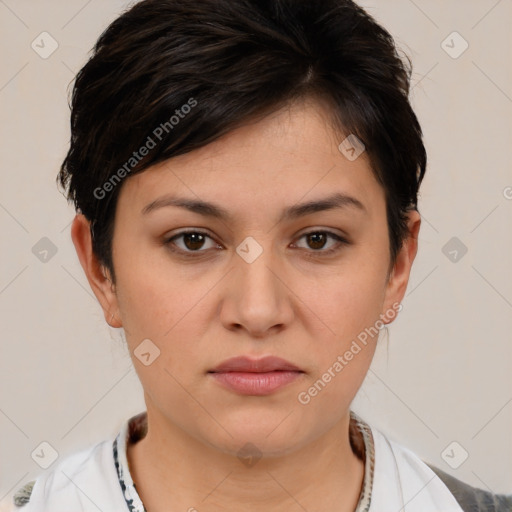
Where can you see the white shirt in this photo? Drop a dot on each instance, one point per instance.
(98, 478)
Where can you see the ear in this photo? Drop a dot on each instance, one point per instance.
(399, 276)
(98, 276)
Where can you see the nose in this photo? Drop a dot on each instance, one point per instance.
(256, 298)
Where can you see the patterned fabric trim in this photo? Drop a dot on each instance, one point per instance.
(358, 429)
(131, 433)
(22, 495)
(361, 440)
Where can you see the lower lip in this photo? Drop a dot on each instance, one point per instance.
(258, 384)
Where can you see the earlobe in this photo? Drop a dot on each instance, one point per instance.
(399, 278)
(99, 280)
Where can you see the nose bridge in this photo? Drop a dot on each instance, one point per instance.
(253, 273)
(257, 295)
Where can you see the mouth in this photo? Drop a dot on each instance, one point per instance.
(256, 377)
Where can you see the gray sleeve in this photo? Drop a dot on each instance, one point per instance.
(472, 499)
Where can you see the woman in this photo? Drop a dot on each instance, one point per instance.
(245, 176)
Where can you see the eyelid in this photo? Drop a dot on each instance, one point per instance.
(328, 231)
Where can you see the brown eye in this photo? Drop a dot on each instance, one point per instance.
(318, 242)
(190, 242)
(193, 241)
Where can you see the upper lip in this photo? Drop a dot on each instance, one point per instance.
(248, 364)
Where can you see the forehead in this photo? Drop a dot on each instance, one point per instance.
(288, 156)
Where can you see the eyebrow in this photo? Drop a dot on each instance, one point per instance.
(207, 209)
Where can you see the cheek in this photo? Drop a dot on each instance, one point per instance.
(149, 297)
(167, 308)
(349, 304)
(350, 300)
(350, 308)
(143, 303)
(154, 310)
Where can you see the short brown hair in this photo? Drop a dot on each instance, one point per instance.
(235, 59)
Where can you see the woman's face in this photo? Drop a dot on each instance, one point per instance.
(261, 279)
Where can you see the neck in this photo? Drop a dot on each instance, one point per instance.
(172, 470)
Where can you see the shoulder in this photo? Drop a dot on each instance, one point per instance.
(88, 467)
(472, 499)
(411, 472)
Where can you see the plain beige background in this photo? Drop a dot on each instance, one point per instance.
(443, 376)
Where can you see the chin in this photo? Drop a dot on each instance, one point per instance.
(273, 435)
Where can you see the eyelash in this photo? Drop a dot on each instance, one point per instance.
(169, 242)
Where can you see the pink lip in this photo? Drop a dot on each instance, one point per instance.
(262, 365)
(255, 376)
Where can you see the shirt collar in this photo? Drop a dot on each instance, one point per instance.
(361, 440)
